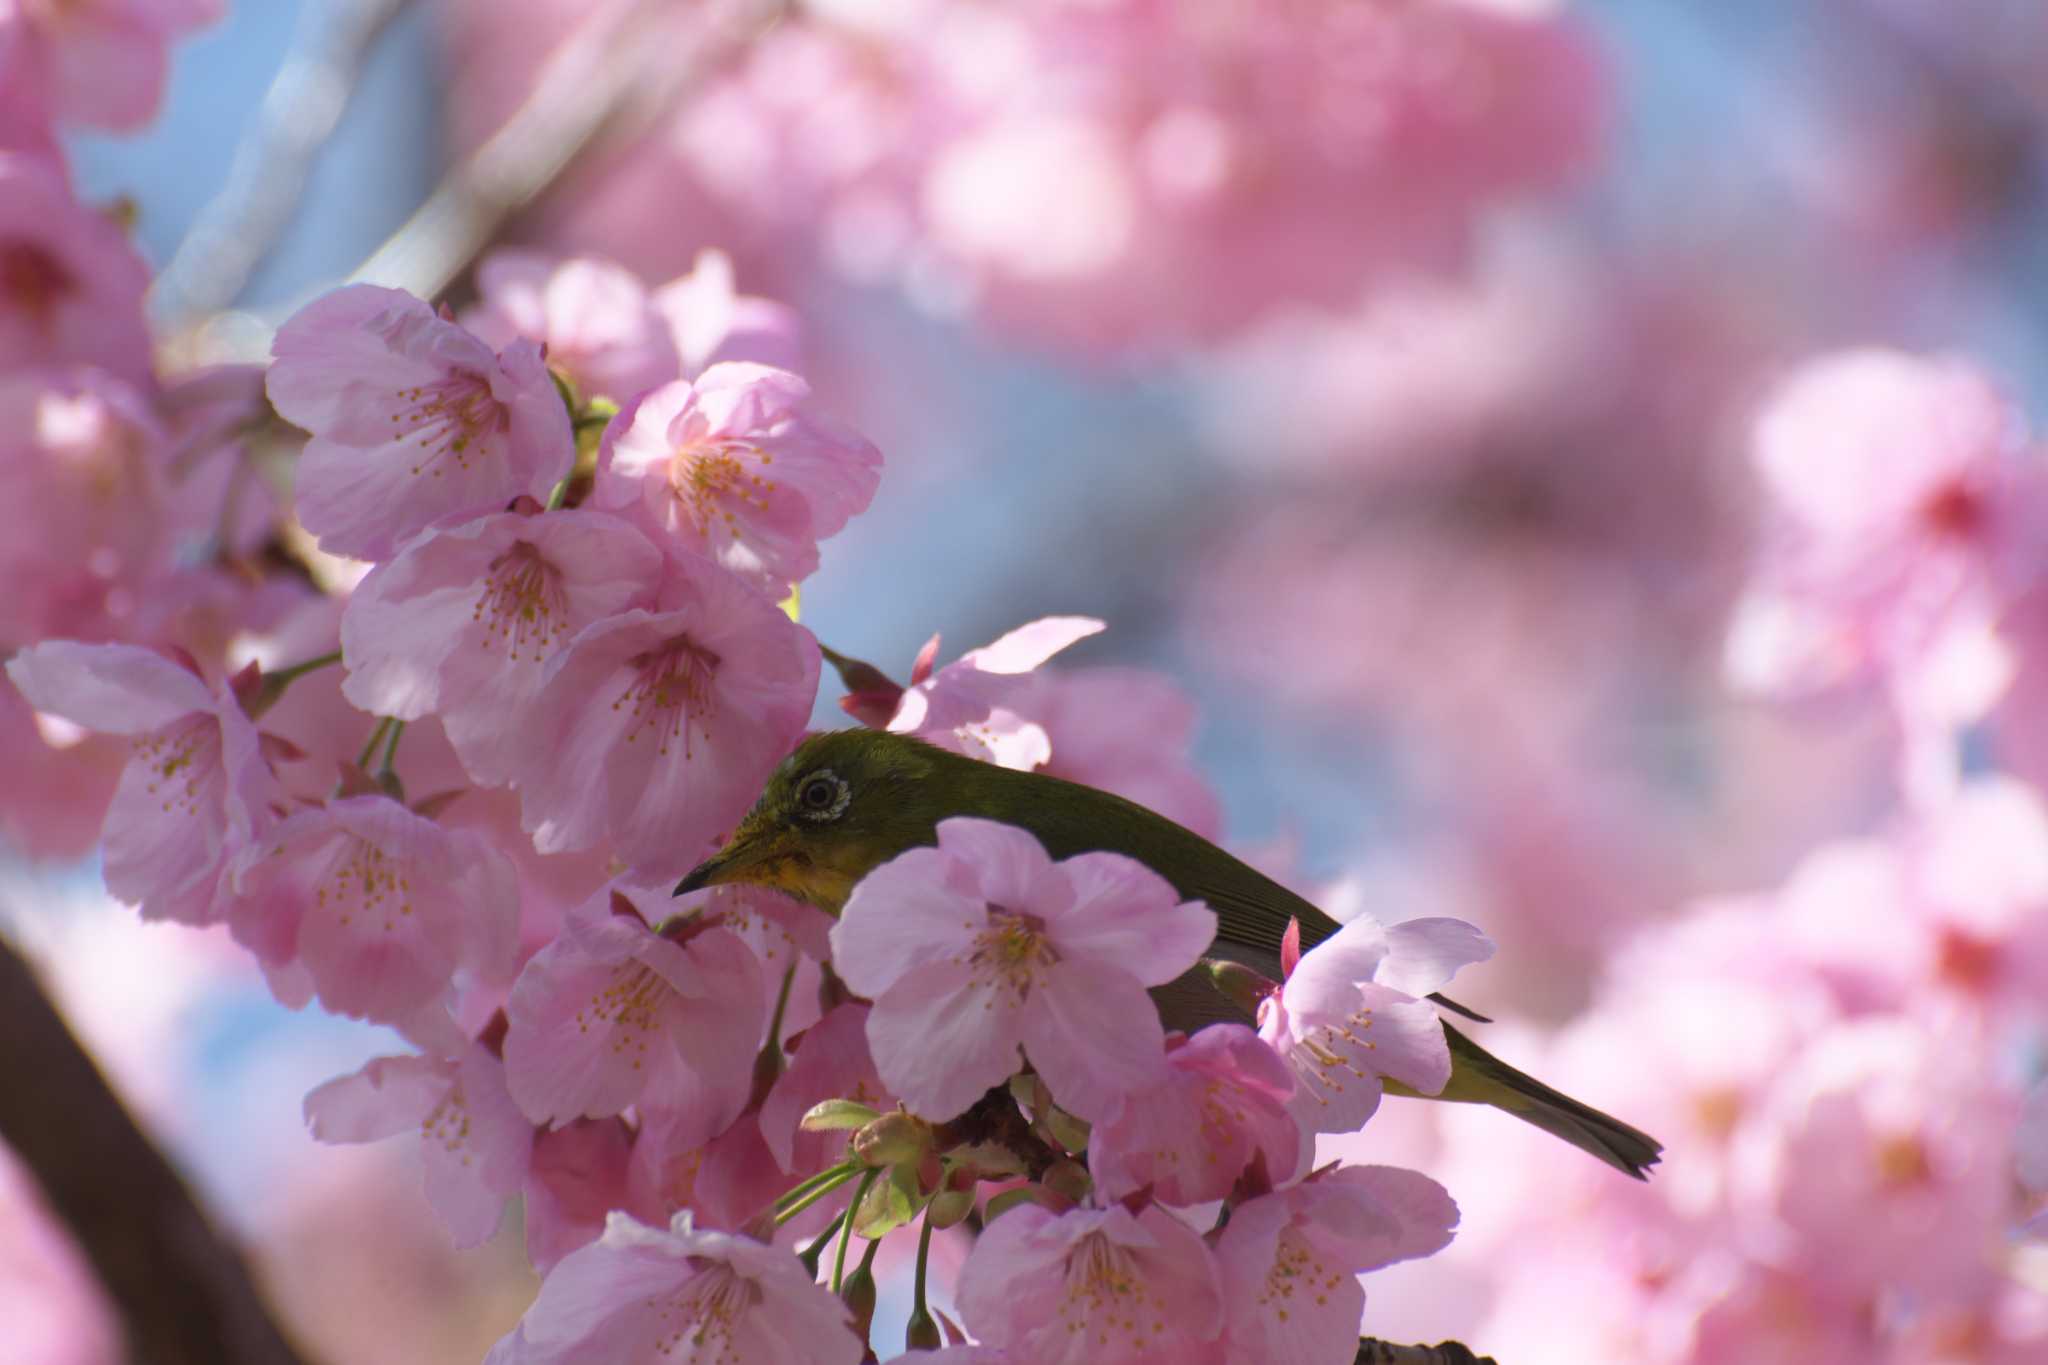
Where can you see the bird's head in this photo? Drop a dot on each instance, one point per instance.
(841, 805)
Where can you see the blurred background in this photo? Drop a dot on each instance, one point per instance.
(1388, 391)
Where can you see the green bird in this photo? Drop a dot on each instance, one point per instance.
(848, 801)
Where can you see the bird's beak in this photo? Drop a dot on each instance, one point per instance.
(710, 872)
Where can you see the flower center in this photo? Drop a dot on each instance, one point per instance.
(710, 478)
(183, 762)
(523, 604)
(629, 1004)
(447, 420)
(1106, 1296)
(699, 1321)
(33, 281)
(1011, 952)
(364, 880)
(671, 687)
(1297, 1276)
(1327, 1056)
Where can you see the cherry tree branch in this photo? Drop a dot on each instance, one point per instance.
(1373, 1351)
(182, 1289)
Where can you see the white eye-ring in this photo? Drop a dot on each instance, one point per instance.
(824, 795)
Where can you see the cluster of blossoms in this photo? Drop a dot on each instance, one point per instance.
(1846, 1068)
(426, 657)
(1037, 164)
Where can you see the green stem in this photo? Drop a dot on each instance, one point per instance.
(559, 496)
(846, 1228)
(391, 746)
(815, 1252)
(370, 744)
(284, 676)
(924, 1253)
(812, 1190)
(921, 1333)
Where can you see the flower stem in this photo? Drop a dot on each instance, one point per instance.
(391, 746)
(812, 1190)
(922, 1332)
(370, 744)
(815, 1252)
(846, 1228)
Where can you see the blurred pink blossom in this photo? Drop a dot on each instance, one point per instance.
(593, 318)
(82, 463)
(98, 64)
(70, 284)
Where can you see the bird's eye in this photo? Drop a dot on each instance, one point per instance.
(823, 796)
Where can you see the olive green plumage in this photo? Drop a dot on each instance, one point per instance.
(847, 801)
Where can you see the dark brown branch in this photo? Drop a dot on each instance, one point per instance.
(1373, 1351)
(182, 1289)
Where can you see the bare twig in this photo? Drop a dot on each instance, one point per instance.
(182, 1289)
(624, 63)
(241, 225)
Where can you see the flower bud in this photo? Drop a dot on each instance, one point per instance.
(892, 1139)
(949, 1207)
(1239, 983)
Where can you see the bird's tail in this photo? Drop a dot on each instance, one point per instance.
(1479, 1077)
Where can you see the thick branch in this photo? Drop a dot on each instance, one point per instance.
(1373, 1351)
(183, 1291)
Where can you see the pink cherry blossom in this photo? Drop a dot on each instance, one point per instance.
(712, 322)
(1222, 1102)
(81, 464)
(576, 1176)
(679, 1294)
(1288, 1261)
(2030, 1148)
(1351, 1013)
(726, 1179)
(593, 317)
(97, 64)
(971, 705)
(415, 422)
(1090, 1286)
(475, 1141)
(612, 1014)
(196, 791)
(984, 945)
(463, 622)
(70, 285)
(381, 906)
(736, 466)
(657, 728)
(832, 1062)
